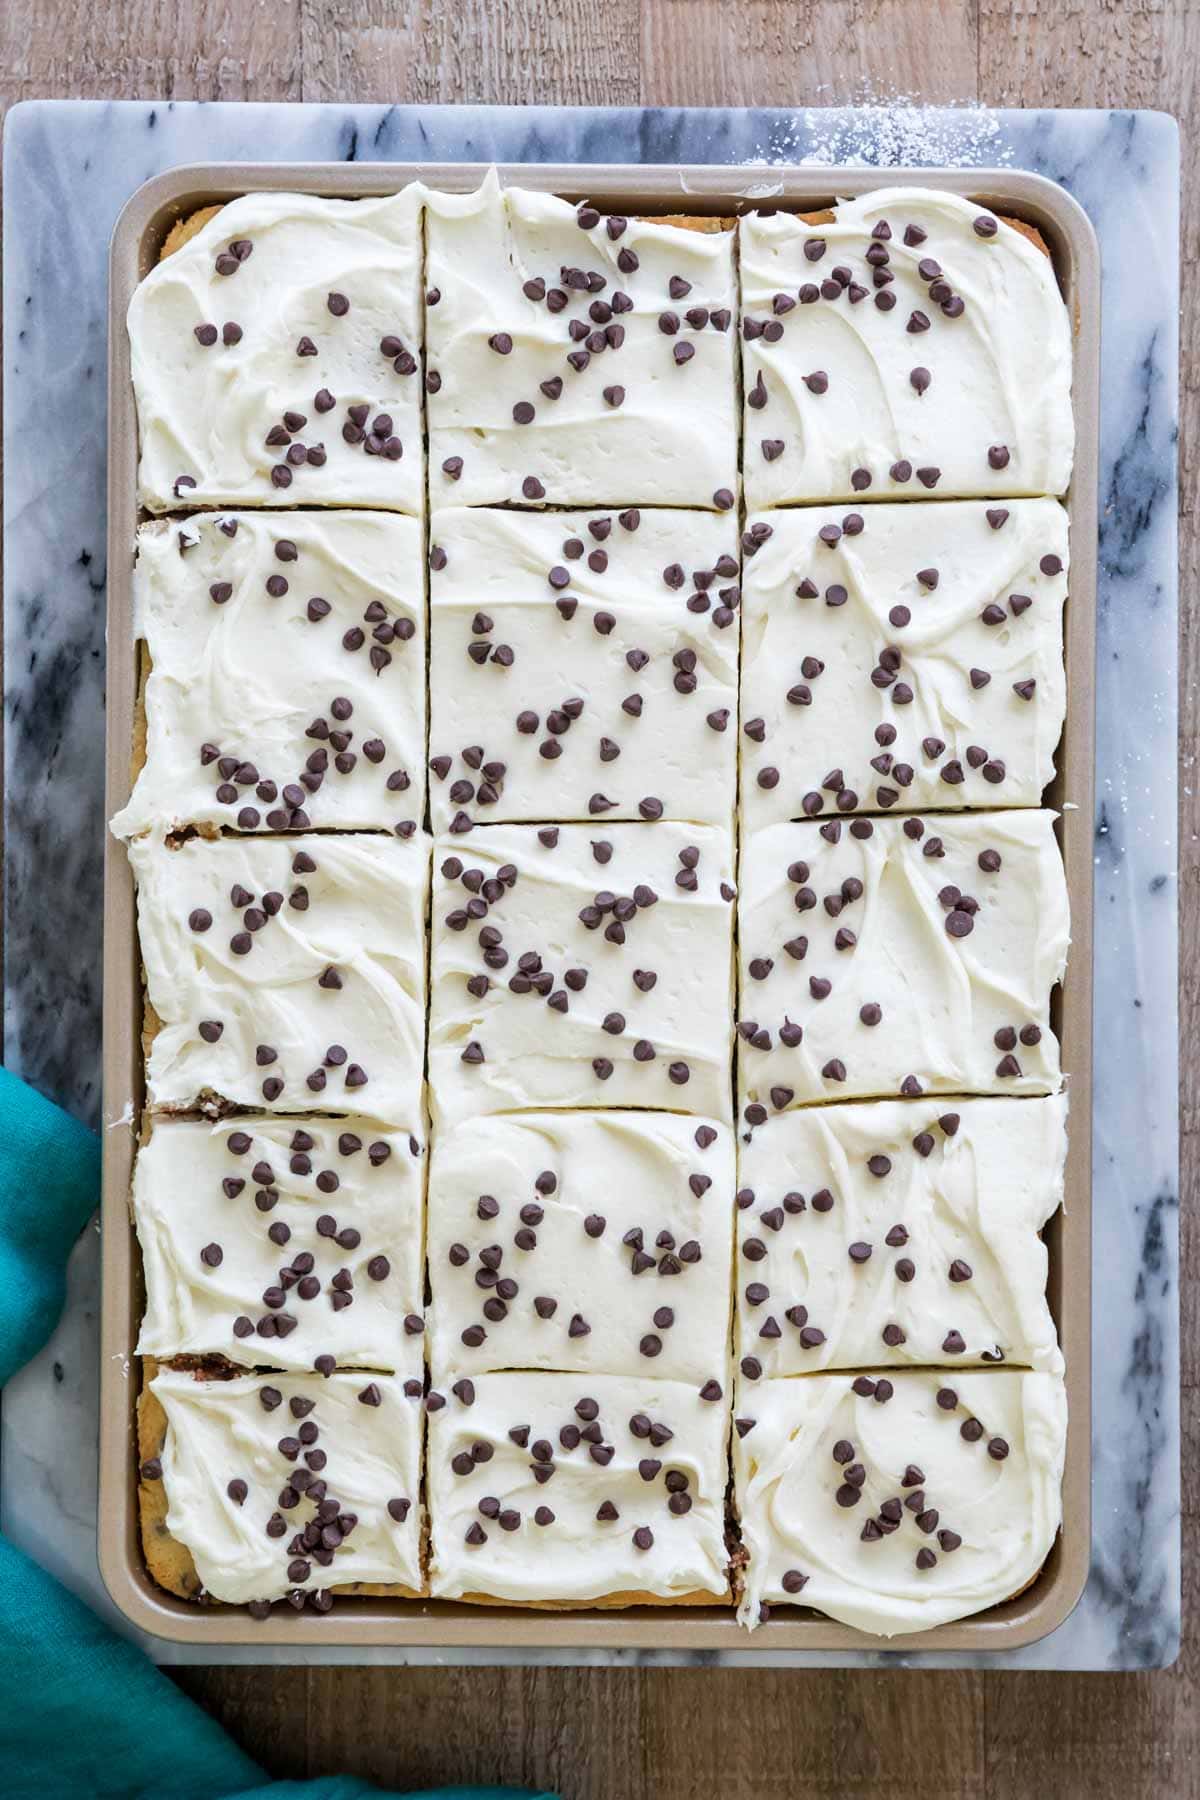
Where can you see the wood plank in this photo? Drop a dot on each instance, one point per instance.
(1079, 52)
(615, 1734)
(516, 52)
(783, 1734)
(822, 53)
(576, 1731)
(264, 1710)
(157, 49)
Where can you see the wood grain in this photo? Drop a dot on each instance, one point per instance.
(778, 53)
(196, 50)
(562, 52)
(699, 1734)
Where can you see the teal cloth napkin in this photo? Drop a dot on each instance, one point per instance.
(82, 1712)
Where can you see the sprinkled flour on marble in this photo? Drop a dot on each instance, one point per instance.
(886, 130)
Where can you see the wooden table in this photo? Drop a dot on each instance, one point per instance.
(682, 1734)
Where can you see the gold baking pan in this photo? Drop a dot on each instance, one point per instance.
(696, 190)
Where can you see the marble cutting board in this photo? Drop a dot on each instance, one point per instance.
(68, 168)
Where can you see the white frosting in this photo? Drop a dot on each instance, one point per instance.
(942, 997)
(1006, 1512)
(253, 676)
(951, 704)
(575, 1556)
(220, 1431)
(673, 437)
(364, 921)
(1000, 371)
(326, 1184)
(204, 412)
(539, 1050)
(550, 1199)
(513, 568)
(963, 1277)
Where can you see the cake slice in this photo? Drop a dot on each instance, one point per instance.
(578, 358)
(581, 966)
(285, 672)
(905, 344)
(285, 973)
(274, 1242)
(898, 957)
(275, 352)
(898, 1232)
(571, 1490)
(593, 1242)
(254, 1489)
(580, 655)
(900, 1501)
(901, 657)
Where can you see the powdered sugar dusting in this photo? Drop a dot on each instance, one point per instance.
(888, 130)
